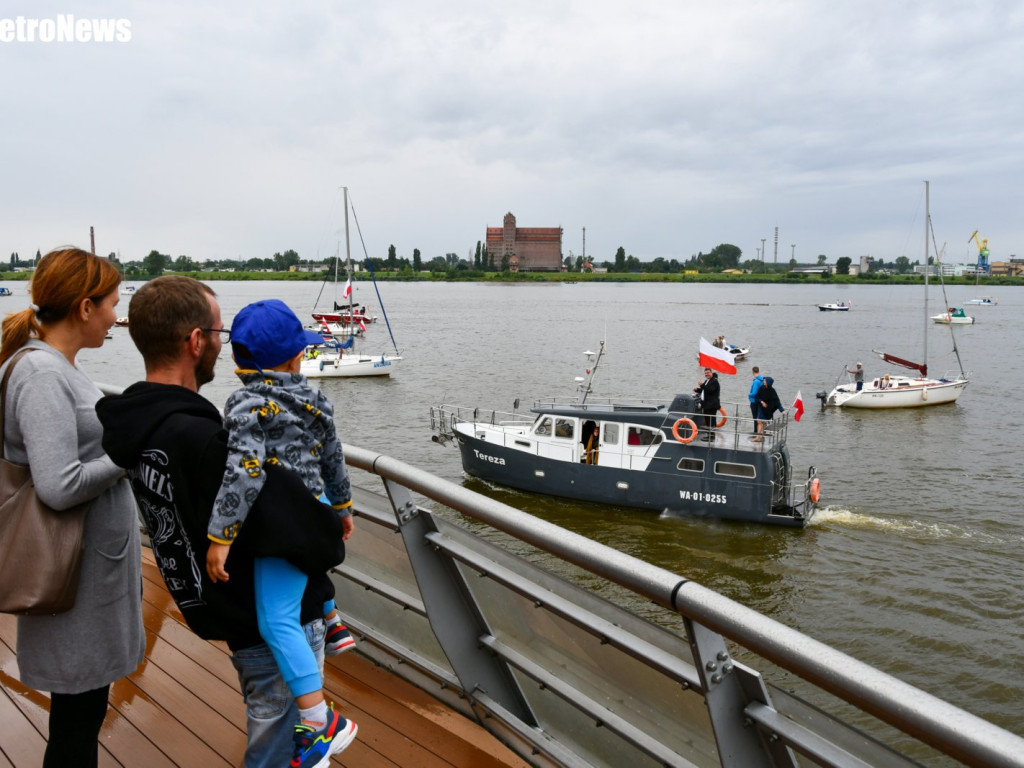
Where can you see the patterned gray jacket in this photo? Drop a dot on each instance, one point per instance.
(277, 418)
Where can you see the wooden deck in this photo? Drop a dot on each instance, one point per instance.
(182, 707)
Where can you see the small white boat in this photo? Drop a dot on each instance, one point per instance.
(128, 289)
(902, 391)
(953, 316)
(839, 306)
(121, 322)
(891, 391)
(982, 301)
(737, 352)
(335, 329)
(338, 363)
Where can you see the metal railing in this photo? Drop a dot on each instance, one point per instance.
(487, 613)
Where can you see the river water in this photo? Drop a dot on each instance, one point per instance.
(913, 564)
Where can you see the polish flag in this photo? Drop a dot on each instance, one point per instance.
(348, 289)
(362, 325)
(798, 407)
(714, 358)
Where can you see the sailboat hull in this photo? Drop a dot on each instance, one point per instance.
(902, 392)
(328, 366)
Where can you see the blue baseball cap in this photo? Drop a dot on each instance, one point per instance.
(267, 333)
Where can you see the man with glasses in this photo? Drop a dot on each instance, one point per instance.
(171, 441)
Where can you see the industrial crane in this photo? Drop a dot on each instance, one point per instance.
(982, 244)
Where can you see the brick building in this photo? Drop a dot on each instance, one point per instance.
(536, 249)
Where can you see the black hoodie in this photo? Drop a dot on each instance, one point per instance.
(172, 442)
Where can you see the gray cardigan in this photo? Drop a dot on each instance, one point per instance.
(50, 424)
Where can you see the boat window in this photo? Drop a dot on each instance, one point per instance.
(691, 465)
(610, 434)
(543, 426)
(643, 436)
(564, 427)
(735, 470)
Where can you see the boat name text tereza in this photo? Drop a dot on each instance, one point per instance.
(646, 454)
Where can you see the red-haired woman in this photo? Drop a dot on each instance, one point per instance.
(50, 424)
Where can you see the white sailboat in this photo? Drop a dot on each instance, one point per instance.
(339, 359)
(895, 391)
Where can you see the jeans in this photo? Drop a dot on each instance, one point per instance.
(271, 713)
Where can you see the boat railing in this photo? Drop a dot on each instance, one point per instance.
(576, 654)
(738, 427)
(443, 418)
(955, 375)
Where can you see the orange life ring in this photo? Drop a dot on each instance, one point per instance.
(693, 431)
(725, 418)
(815, 491)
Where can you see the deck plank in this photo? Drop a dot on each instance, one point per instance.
(182, 707)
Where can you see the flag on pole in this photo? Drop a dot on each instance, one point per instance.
(362, 325)
(348, 289)
(798, 407)
(714, 358)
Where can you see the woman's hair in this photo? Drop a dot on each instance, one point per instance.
(62, 279)
(162, 314)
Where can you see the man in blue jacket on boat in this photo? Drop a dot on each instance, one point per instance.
(755, 386)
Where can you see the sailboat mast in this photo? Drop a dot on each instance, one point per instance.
(927, 269)
(348, 267)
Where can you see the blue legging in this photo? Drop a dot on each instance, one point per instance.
(279, 588)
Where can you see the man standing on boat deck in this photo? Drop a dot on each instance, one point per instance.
(755, 386)
(858, 376)
(710, 392)
(173, 443)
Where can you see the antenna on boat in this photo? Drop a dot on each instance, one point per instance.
(583, 385)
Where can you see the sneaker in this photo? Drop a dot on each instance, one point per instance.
(313, 748)
(338, 639)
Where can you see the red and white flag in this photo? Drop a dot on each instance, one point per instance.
(714, 358)
(362, 325)
(348, 289)
(798, 407)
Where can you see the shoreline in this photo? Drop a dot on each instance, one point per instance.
(573, 277)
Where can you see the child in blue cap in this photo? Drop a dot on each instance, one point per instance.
(278, 418)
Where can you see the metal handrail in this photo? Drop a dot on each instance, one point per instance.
(955, 732)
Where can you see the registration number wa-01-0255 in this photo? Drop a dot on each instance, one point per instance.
(710, 498)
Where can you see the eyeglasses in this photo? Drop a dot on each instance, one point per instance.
(225, 331)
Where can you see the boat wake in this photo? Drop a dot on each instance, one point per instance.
(826, 516)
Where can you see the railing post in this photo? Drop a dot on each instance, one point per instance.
(740, 744)
(454, 617)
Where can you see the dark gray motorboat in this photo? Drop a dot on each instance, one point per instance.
(636, 453)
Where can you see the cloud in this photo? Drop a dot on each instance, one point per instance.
(666, 128)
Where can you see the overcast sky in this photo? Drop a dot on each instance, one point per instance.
(666, 127)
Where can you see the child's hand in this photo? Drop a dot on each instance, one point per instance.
(347, 526)
(216, 557)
